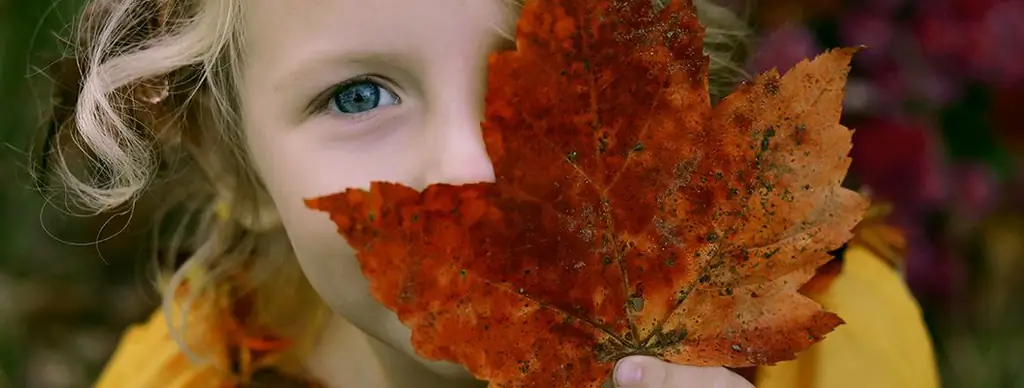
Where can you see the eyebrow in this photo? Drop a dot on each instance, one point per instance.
(313, 68)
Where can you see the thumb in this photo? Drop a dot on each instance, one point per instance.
(650, 372)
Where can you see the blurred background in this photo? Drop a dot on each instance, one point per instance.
(932, 99)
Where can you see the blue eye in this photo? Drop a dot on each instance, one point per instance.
(361, 96)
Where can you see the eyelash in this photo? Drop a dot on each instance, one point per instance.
(328, 104)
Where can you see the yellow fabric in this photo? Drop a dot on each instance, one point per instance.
(883, 344)
(148, 357)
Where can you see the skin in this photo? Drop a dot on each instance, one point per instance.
(412, 116)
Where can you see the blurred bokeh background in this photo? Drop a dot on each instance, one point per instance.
(933, 101)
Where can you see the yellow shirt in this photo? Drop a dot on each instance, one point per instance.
(884, 343)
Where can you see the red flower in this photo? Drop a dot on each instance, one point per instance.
(900, 161)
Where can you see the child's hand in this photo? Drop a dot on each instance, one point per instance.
(650, 372)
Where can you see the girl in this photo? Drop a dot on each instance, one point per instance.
(259, 104)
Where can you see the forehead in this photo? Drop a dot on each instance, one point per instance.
(374, 15)
(298, 30)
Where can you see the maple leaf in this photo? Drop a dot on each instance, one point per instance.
(628, 215)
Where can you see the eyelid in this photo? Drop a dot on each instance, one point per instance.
(321, 104)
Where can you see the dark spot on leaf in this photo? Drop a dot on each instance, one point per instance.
(524, 367)
(681, 296)
(800, 134)
(767, 138)
(771, 85)
(571, 157)
(636, 304)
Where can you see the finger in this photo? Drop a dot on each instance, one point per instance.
(650, 372)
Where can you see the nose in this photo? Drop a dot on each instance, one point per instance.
(456, 153)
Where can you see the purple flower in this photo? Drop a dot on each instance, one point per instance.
(901, 161)
(933, 272)
(783, 48)
(974, 189)
(997, 52)
(876, 30)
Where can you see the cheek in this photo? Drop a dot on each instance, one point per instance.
(326, 259)
(295, 165)
(319, 158)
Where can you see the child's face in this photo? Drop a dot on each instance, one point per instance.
(338, 93)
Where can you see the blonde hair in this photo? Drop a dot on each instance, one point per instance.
(110, 139)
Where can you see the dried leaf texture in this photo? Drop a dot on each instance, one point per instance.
(628, 216)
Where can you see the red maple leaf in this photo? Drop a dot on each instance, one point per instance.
(628, 216)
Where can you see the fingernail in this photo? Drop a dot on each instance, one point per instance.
(628, 373)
